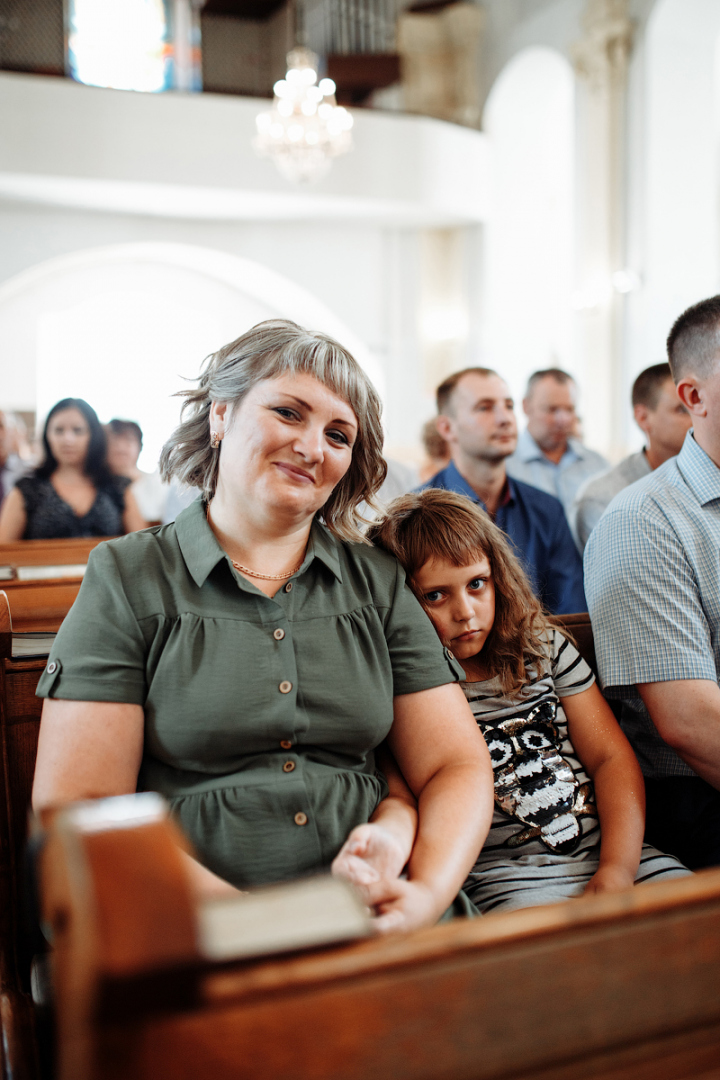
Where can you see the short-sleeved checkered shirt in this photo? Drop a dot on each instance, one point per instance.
(652, 580)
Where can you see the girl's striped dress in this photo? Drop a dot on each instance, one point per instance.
(544, 842)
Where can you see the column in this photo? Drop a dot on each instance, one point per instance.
(601, 63)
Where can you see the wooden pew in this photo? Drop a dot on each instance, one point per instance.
(42, 603)
(19, 727)
(623, 987)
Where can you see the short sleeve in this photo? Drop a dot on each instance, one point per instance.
(571, 674)
(647, 615)
(99, 652)
(419, 661)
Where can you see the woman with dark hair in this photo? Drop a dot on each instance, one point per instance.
(72, 493)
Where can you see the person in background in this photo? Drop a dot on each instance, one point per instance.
(12, 467)
(548, 456)
(437, 451)
(664, 420)
(477, 419)
(72, 492)
(124, 443)
(652, 573)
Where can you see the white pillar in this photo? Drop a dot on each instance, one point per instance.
(601, 63)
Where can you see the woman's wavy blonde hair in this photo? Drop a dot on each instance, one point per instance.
(437, 524)
(267, 351)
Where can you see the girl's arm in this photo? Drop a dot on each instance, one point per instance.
(380, 849)
(13, 517)
(444, 759)
(610, 761)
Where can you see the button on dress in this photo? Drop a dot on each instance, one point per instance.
(164, 620)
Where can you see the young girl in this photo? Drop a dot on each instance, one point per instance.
(569, 795)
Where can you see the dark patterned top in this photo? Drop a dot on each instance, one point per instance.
(50, 518)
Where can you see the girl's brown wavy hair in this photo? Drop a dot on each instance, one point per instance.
(436, 524)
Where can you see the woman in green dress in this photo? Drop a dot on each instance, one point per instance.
(247, 660)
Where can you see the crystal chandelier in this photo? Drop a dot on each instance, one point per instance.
(305, 128)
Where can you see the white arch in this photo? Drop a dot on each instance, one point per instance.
(137, 318)
(251, 278)
(529, 119)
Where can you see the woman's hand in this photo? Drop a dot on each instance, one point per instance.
(609, 879)
(371, 854)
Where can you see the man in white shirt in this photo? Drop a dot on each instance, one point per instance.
(664, 420)
(547, 454)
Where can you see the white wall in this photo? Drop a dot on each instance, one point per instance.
(105, 168)
(529, 245)
(675, 208)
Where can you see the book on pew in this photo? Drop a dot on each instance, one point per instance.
(31, 643)
(45, 573)
(282, 918)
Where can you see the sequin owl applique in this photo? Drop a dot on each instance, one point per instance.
(533, 781)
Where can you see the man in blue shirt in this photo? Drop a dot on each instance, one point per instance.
(653, 580)
(547, 454)
(477, 420)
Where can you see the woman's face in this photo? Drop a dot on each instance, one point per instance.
(460, 601)
(68, 434)
(285, 446)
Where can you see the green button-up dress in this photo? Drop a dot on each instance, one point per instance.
(261, 714)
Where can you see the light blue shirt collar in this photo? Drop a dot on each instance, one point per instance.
(698, 470)
(528, 450)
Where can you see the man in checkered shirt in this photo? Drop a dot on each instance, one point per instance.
(652, 580)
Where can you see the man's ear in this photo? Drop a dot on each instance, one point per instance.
(526, 404)
(690, 393)
(640, 412)
(444, 427)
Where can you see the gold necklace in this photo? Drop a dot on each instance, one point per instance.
(254, 573)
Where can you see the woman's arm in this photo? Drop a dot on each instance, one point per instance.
(380, 849)
(91, 750)
(610, 761)
(132, 518)
(443, 757)
(13, 517)
(87, 750)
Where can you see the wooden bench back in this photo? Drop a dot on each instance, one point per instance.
(67, 552)
(42, 604)
(19, 729)
(620, 987)
(580, 629)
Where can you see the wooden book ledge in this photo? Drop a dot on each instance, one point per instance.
(42, 579)
(623, 987)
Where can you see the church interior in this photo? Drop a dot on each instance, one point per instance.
(535, 186)
(507, 186)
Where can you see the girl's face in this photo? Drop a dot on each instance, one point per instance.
(460, 600)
